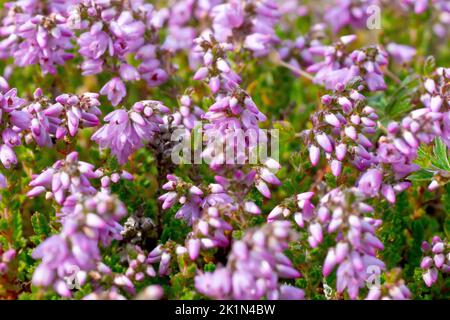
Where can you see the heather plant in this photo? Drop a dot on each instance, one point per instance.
(224, 149)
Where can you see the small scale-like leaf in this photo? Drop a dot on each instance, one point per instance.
(440, 159)
(421, 175)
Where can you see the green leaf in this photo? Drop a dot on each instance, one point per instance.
(16, 224)
(447, 227)
(421, 175)
(429, 66)
(40, 225)
(440, 159)
(400, 100)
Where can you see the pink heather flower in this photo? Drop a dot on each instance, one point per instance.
(437, 260)
(35, 35)
(254, 267)
(344, 220)
(66, 177)
(340, 66)
(115, 90)
(117, 34)
(74, 112)
(401, 53)
(127, 131)
(94, 220)
(345, 123)
(341, 13)
(370, 182)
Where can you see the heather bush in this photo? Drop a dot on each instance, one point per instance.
(237, 149)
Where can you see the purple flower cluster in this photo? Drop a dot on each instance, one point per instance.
(33, 32)
(185, 19)
(354, 13)
(211, 230)
(340, 129)
(66, 177)
(13, 121)
(188, 114)
(62, 118)
(437, 259)
(138, 268)
(247, 23)
(342, 217)
(393, 288)
(75, 248)
(127, 130)
(163, 255)
(340, 66)
(6, 258)
(255, 266)
(297, 52)
(188, 195)
(393, 159)
(215, 69)
(233, 113)
(115, 31)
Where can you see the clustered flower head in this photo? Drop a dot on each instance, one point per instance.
(233, 114)
(60, 119)
(13, 121)
(66, 177)
(341, 66)
(254, 268)
(297, 52)
(224, 245)
(33, 32)
(355, 13)
(248, 23)
(164, 255)
(188, 114)
(393, 288)
(342, 215)
(6, 258)
(113, 31)
(437, 259)
(188, 195)
(396, 151)
(138, 268)
(93, 220)
(340, 129)
(127, 130)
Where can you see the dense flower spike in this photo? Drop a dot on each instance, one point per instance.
(437, 259)
(36, 33)
(115, 31)
(393, 288)
(233, 116)
(340, 129)
(75, 249)
(342, 214)
(66, 177)
(188, 195)
(341, 66)
(355, 13)
(394, 158)
(254, 267)
(247, 22)
(127, 131)
(56, 120)
(13, 121)
(340, 103)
